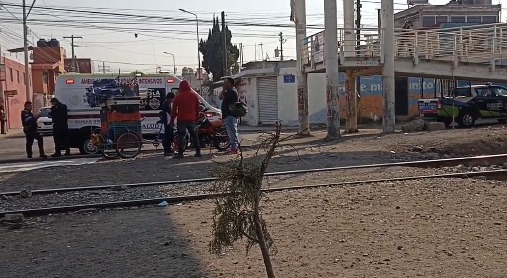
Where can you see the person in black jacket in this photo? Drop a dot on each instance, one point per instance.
(165, 119)
(29, 121)
(59, 117)
(230, 96)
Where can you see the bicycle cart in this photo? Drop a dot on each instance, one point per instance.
(120, 131)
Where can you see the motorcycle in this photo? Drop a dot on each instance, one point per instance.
(209, 132)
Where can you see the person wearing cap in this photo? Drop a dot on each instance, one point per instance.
(29, 121)
(60, 118)
(186, 108)
(165, 119)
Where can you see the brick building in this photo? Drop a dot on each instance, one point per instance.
(13, 85)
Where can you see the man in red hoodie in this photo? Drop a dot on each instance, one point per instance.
(185, 109)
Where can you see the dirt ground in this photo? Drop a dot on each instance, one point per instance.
(430, 228)
(305, 153)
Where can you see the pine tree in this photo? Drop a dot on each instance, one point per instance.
(212, 51)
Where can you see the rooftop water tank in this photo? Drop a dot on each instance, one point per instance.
(54, 43)
(42, 43)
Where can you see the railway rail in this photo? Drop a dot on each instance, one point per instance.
(483, 160)
(206, 196)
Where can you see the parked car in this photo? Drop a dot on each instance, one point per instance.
(466, 105)
(44, 122)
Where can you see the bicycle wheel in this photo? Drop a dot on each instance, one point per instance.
(128, 145)
(176, 144)
(221, 141)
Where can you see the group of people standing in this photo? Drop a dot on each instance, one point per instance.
(186, 107)
(59, 118)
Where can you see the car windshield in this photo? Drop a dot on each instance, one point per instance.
(44, 112)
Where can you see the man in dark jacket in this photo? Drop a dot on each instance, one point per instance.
(165, 119)
(59, 117)
(29, 121)
(186, 108)
(230, 96)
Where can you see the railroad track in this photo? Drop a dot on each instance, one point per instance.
(483, 160)
(206, 196)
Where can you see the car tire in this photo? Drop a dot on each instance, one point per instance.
(466, 118)
(87, 148)
(447, 121)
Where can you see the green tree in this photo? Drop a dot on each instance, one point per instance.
(212, 51)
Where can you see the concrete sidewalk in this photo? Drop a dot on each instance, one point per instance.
(13, 133)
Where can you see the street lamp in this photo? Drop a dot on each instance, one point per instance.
(198, 54)
(174, 62)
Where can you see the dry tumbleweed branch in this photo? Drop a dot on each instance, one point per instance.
(237, 213)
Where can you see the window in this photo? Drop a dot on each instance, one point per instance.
(474, 19)
(483, 92)
(502, 92)
(429, 21)
(17, 76)
(441, 19)
(458, 19)
(12, 75)
(488, 19)
(462, 92)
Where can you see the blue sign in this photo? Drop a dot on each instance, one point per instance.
(289, 78)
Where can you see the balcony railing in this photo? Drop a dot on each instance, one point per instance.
(470, 44)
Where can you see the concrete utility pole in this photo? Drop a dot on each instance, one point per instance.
(348, 24)
(387, 10)
(224, 34)
(240, 56)
(72, 37)
(299, 17)
(350, 51)
(332, 76)
(282, 41)
(262, 52)
(25, 45)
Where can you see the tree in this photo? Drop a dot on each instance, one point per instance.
(237, 213)
(212, 51)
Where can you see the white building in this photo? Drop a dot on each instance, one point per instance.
(270, 90)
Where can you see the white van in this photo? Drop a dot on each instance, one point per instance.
(71, 90)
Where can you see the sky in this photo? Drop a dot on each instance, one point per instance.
(116, 46)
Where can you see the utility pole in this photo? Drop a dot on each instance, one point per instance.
(350, 50)
(72, 37)
(332, 76)
(25, 45)
(240, 56)
(358, 23)
(224, 34)
(104, 67)
(282, 41)
(262, 52)
(299, 18)
(387, 7)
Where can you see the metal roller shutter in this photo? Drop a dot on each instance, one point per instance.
(268, 99)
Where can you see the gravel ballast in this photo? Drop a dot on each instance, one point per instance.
(420, 228)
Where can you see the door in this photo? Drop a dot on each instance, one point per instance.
(401, 96)
(268, 99)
